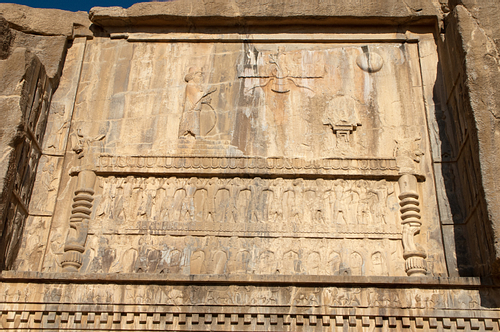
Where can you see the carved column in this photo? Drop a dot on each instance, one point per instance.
(408, 155)
(79, 222)
(83, 199)
(414, 256)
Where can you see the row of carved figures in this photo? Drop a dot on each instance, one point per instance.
(237, 200)
(243, 261)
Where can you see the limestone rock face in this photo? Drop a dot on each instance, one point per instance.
(482, 40)
(30, 69)
(5, 38)
(237, 12)
(471, 46)
(49, 49)
(25, 91)
(250, 165)
(47, 22)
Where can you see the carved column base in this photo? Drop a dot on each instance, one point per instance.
(72, 261)
(415, 264)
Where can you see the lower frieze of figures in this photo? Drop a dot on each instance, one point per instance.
(359, 297)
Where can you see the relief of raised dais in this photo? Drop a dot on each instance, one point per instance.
(224, 255)
(218, 142)
(133, 201)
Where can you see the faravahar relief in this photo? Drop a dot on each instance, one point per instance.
(281, 71)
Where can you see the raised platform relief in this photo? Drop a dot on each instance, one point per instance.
(174, 254)
(248, 158)
(322, 205)
(377, 167)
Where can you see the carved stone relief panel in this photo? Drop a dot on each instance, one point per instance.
(61, 108)
(254, 99)
(46, 185)
(179, 296)
(232, 255)
(139, 220)
(256, 226)
(262, 158)
(216, 204)
(33, 243)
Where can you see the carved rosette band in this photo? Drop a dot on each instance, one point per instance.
(415, 264)
(79, 222)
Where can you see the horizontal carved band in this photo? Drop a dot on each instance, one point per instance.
(159, 320)
(248, 165)
(136, 291)
(225, 230)
(248, 207)
(256, 37)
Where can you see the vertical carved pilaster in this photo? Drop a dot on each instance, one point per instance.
(83, 199)
(414, 256)
(408, 154)
(79, 221)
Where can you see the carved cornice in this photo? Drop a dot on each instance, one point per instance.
(421, 282)
(256, 166)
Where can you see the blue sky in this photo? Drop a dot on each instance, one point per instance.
(75, 5)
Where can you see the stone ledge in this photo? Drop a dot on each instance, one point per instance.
(281, 280)
(46, 22)
(238, 13)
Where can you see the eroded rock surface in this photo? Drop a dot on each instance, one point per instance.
(268, 165)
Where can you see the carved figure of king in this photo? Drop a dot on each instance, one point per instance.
(196, 96)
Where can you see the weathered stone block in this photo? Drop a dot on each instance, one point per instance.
(236, 165)
(48, 22)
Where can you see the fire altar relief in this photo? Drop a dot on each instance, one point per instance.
(241, 158)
